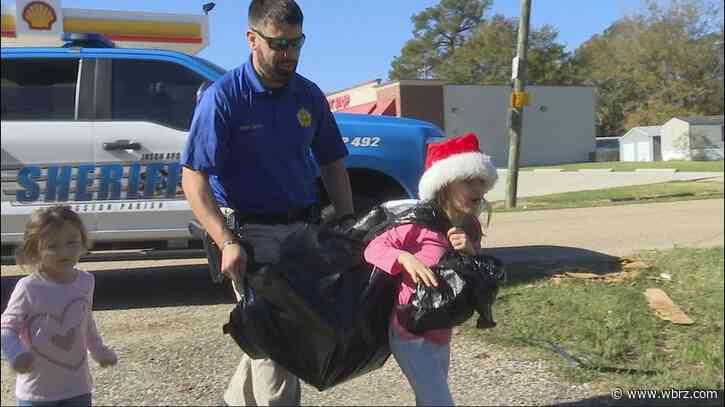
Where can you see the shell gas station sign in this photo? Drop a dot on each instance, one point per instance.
(40, 23)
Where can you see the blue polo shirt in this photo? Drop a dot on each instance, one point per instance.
(255, 143)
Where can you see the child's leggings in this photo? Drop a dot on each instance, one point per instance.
(425, 364)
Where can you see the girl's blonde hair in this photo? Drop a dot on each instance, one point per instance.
(474, 228)
(43, 222)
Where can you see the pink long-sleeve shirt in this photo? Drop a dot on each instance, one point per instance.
(55, 323)
(426, 245)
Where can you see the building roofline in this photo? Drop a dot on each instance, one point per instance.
(701, 120)
(425, 82)
(351, 87)
(507, 85)
(379, 83)
(639, 129)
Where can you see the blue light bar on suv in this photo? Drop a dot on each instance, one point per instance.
(86, 40)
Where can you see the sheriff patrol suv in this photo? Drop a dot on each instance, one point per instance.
(102, 128)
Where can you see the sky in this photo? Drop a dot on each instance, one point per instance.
(355, 41)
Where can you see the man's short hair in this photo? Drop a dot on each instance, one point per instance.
(275, 12)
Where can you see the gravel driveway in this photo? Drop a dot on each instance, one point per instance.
(173, 353)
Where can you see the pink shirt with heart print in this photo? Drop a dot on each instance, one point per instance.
(55, 322)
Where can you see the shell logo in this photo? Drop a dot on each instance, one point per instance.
(39, 15)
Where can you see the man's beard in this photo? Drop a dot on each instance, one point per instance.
(275, 72)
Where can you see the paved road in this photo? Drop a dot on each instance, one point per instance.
(558, 235)
(534, 183)
(570, 234)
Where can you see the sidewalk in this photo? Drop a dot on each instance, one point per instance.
(535, 183)
(602, 233)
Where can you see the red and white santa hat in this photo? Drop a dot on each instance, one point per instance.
(452, 159)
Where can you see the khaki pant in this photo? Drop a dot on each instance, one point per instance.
(262, 382)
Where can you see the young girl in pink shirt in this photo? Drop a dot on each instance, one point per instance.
(48, 328)
(452, 188)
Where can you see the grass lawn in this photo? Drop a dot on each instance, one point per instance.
(662, 192)
(682, 166)
(609, 327)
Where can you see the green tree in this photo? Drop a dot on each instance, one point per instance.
(601, 61)
(437, 32)
(452, 41)
(485, 59)
(648, 67)
(547, 61)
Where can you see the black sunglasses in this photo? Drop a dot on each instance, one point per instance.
(282, 44)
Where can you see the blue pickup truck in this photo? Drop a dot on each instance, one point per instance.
(102, 128)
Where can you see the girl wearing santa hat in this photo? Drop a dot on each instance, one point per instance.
(457, 175)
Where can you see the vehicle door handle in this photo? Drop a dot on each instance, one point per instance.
(122, 145)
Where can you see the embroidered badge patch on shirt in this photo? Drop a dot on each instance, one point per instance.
(304, 117)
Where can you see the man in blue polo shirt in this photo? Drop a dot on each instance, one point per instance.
(248, 154)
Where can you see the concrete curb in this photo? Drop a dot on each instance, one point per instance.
(549, 170)
(660, 170)
(595, 170)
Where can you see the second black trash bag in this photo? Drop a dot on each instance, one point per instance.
(321, 312)
(465, 284)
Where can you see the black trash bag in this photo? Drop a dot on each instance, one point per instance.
(465, 284)
(484, 274)
(321, 312)
(395, 213)
(439, 307)
(244, 323)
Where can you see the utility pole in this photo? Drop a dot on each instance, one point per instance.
(519, 99)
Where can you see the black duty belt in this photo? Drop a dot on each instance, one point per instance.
(310, 214)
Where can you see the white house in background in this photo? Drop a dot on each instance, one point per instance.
(693, 138)
(641, 144)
